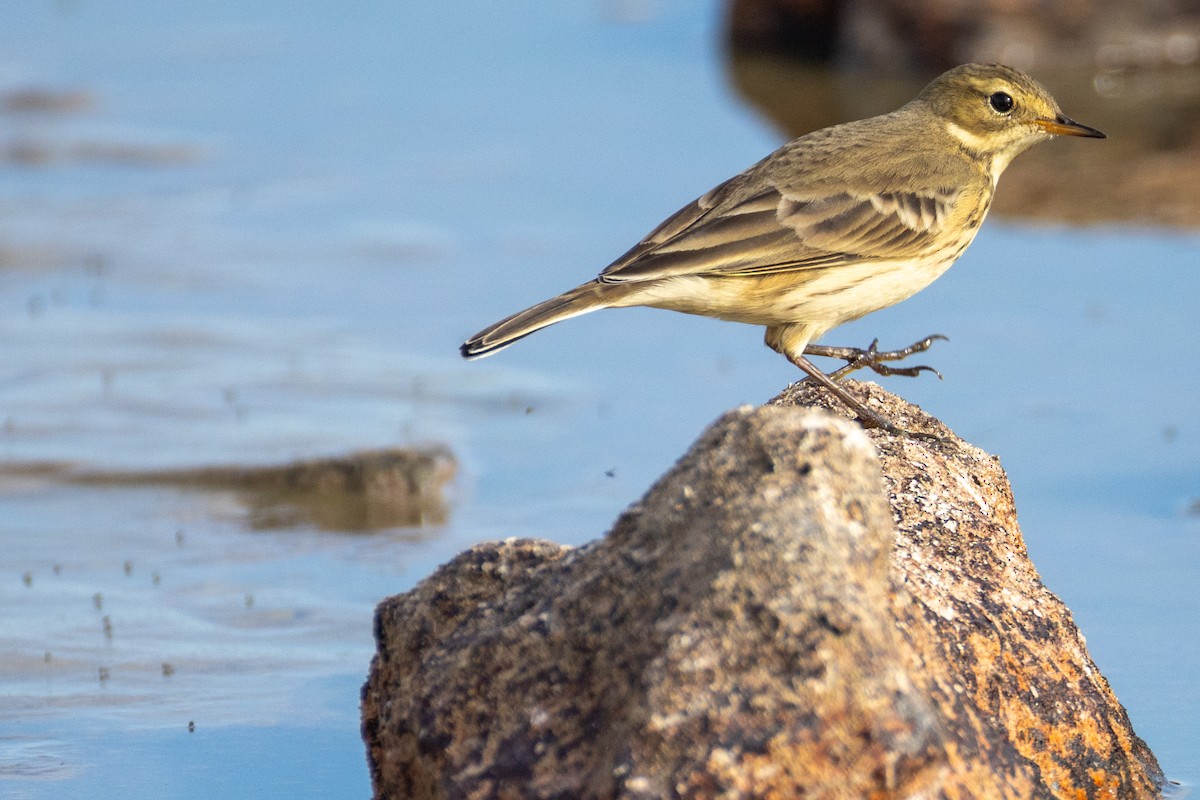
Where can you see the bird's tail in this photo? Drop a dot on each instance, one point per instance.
(591, 296)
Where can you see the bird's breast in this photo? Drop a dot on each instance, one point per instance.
(825, 297)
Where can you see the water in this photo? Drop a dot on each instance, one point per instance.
(261, 234)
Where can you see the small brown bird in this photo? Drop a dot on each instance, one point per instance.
(830, 227)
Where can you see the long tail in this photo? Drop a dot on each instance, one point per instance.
(591, 296)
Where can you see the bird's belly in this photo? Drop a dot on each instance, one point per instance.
(827, 297)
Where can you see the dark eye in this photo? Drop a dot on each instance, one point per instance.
(1001, 102)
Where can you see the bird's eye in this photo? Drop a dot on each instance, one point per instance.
(1001, 102)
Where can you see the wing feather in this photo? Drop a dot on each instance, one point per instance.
(731, 231)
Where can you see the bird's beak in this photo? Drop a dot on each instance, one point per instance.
(1065, 126)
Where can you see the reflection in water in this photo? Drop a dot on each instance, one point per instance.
(368, 491)
(1146, 171)
(30, 142)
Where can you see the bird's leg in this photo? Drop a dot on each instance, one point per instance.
(873, 358)
(791, 341)
(869, 418)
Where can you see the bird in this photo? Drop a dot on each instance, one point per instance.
(830, 227)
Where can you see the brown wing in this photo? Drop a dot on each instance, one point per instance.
(778, 231)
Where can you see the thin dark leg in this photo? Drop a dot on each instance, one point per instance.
(868, 418)
(872, 358)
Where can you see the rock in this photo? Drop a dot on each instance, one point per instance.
(804, 29)
(797, 608)
(889, 35)
(362, 491)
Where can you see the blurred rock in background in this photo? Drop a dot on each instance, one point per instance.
(938, 34)
(1132, 70)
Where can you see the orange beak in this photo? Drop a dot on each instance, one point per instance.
(1065, 126)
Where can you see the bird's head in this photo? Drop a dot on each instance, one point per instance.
(997, 112)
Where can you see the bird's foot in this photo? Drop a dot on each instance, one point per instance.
(867, 417)
(874, 359)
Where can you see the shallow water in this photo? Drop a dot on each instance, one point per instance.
(260, 232)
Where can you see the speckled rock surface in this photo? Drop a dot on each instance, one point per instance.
(778, 617)
(993, 648)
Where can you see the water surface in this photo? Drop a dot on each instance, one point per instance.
(257, 232)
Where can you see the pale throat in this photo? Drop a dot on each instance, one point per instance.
(980, 145)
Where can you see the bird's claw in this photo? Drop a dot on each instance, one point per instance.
(872, 358)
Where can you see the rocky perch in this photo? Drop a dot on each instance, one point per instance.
(798, 608)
